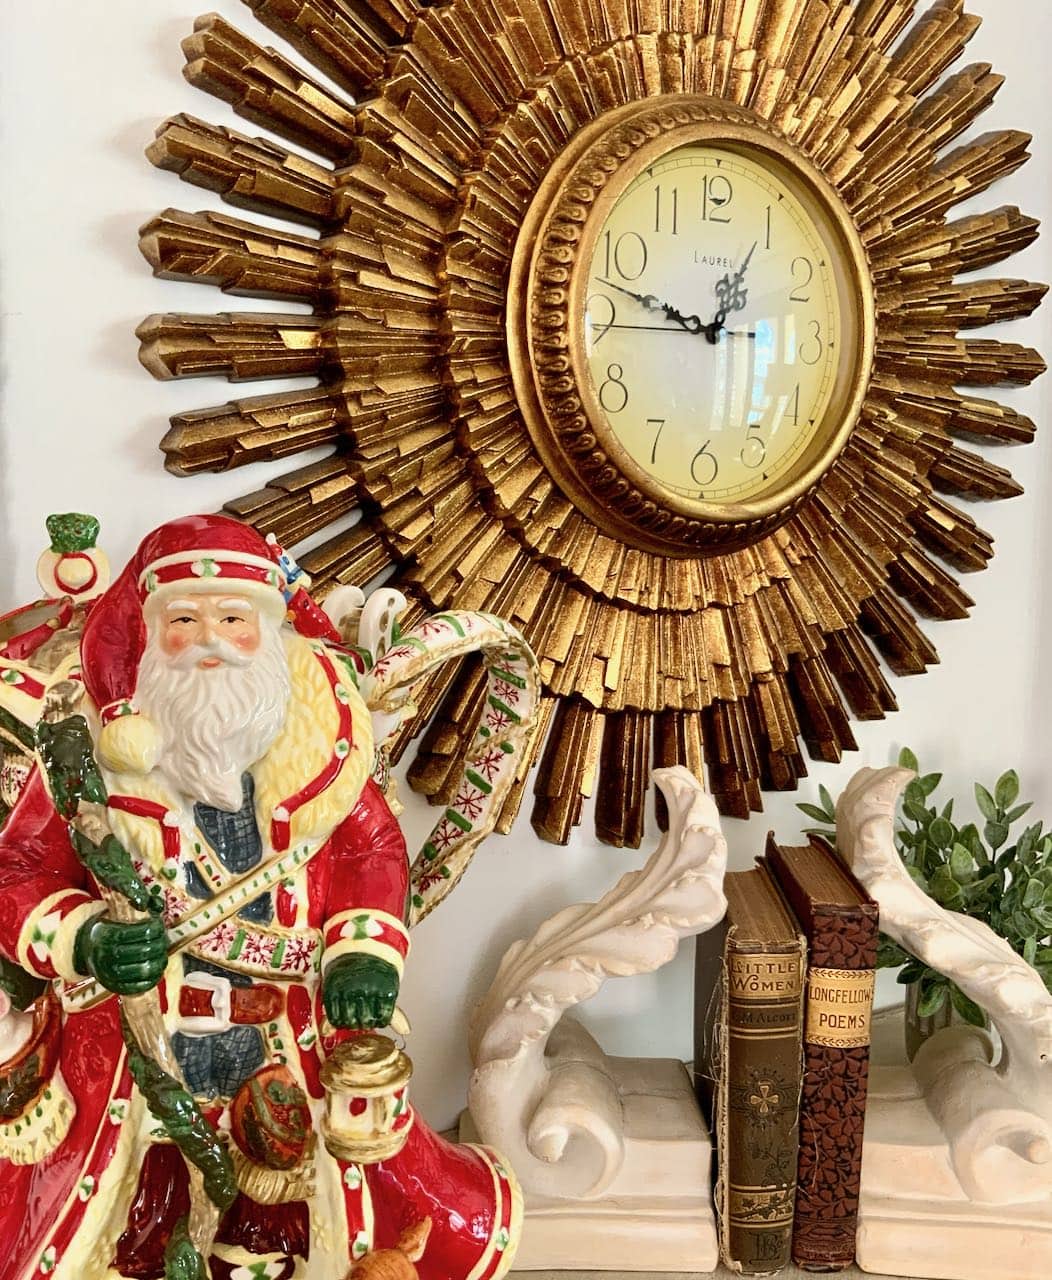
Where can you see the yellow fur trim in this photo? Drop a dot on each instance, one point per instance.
(305, 745)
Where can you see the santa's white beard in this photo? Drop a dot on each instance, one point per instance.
(215, 722)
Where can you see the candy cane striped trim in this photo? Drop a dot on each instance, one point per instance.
(171, 838)
(46, 940)
(499, 1254)
(366, 932)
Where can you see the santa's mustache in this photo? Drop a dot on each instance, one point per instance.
(228, 654)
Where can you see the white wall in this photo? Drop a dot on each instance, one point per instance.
(82, 86)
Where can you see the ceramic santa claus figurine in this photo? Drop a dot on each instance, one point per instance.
(237, 758)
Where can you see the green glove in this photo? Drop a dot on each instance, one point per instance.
(128, 958)
(360, 991)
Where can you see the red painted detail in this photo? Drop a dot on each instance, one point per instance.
(358, 1106)
(114, 710)
(250, 1006)
(22, 645)
(228, 570)
(390, 935)
(504, 1217)
(301, 1019)
(286, 905)
(140, 808)
(75, 555)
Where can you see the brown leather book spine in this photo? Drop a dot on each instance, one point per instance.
(759, 1103)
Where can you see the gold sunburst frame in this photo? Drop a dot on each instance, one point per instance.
(445, 124)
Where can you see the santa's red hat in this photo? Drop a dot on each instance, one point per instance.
(192, 553)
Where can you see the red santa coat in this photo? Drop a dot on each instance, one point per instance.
(334, 865)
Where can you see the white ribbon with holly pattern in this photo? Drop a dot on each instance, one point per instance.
(498, 748)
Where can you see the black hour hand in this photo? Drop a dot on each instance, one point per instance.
(693, 324)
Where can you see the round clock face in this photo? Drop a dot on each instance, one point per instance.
(713, 326)
(698, 319)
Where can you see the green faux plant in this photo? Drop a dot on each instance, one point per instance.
(980, 874)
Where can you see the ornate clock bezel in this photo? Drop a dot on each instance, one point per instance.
(546, 298)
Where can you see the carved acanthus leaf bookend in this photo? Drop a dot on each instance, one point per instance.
(541, 1088)
(997, 1121)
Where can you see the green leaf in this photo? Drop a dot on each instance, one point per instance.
(1006, 791)
(969, 836)
(184, 1123)
(915, 793)
(962, 864)
(1015, 814)
(966, 1008)
(929, 782)
(932, 996)
(1030, 949)
(1033, 893)
(996, 834)
(907, 760)
(1028, 840)
(827, 802)
(913, 972)
(916, 811)
(947, 811)
(944, 888)
(985, 801)
(918, 877)
(942, 833)
(813, 811)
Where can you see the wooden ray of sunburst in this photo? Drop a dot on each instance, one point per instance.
(444, 123)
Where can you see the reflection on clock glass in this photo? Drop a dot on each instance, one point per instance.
(712, 325)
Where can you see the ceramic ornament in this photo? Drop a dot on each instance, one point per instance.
(205, 903)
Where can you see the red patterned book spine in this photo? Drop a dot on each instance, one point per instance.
(843, 957)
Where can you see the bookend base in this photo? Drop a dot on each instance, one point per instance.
(656, 1215)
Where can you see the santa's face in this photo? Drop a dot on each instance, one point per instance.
(196, 622)
(214, 679)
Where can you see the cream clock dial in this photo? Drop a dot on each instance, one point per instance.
(692, 327)
(713, 324)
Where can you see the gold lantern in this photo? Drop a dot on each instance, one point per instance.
(367, 1082)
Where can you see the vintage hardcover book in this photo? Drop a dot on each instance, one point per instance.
(748, 1022)
(839, 920)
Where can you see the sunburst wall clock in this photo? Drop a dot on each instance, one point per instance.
(635, 322)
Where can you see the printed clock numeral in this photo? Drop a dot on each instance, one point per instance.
(716, 194)
(812, 344)
(705, 462)
(600, 328)
(803, 272)
(613, 401)
(659, 423)
(627, 255)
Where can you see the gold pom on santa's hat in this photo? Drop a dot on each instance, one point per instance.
(128, 741)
